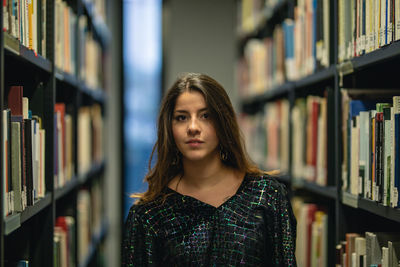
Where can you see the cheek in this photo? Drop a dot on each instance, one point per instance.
(212, 133)
(176, 132)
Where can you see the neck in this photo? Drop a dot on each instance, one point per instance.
(203, 174)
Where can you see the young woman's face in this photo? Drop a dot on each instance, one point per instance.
(193, 128)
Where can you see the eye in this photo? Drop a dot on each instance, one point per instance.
(180, 117)
(205, 115)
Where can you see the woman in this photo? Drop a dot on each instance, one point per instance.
(206, 204)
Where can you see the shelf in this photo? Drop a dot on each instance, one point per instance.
(376, 57)
(66, 189)
(14, 48)
(97, 94)
(99, 25)
(318, 77)
(371, 206)
(313, 79)
(263, 17)
(96, 169)
(96, 240)
(67, 78)
(379, 209)
(325, 191)
(259, 100)
(31, 211)
(14, 221)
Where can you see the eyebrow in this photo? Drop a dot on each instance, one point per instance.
(185, 111)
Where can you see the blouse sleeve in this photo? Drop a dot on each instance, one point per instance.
(284, 229)
(139, 244)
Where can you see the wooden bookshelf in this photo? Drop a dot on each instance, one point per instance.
(29, 235)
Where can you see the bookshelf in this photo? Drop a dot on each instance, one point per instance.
(364, 72)
(53, 51)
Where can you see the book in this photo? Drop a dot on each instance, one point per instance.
(16, 166)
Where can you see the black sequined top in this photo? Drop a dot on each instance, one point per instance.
(255, 227)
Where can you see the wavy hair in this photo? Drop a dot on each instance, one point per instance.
(225, 124)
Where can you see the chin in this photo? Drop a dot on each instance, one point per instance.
(198, 157)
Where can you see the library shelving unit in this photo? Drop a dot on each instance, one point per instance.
(363, 74)
(53, 51)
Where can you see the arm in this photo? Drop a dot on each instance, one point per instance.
(138, 247)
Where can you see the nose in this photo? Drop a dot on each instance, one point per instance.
(193, 127)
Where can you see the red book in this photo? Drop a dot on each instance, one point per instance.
(15, 100)
(312, 208)
(60, 107)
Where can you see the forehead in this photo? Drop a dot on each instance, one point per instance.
(190, 100)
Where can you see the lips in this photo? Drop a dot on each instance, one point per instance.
(194, 142)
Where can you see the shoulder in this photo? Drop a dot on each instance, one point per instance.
(145, 213)
(266, 188)
(267, 183)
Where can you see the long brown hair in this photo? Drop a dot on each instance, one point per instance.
(226, 127)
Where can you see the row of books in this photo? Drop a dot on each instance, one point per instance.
(64, 167)
(88, 224)
(90, 212)
(64, 242)
(309, 139)
(371, 249)
(26, 21)
(23, 154)
(65, 37)
(297, 48)
(90, 143)
(251, 14)
(371, 148)
(366, 25)
(98, 8)
(91, 63)
(267, 136)
(90, 137)
(312, 233)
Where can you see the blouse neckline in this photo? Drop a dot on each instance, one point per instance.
(198, 201)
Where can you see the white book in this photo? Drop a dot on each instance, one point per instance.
(377, 25)
(385, 257)
(360, 250)
(367, 25)
(34, 26)
(321, 144)
(382, 23)
(42, 162)
(397, 19)
(25, 107)
(4, 163)
(387, 167)
(16, 165)
(61, 179)
(389, 22)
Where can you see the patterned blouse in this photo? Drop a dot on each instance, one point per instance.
(255, 227)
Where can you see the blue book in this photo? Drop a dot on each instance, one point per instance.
(386, 21)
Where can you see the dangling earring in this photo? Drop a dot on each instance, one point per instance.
(177, 158)
(223, 154)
